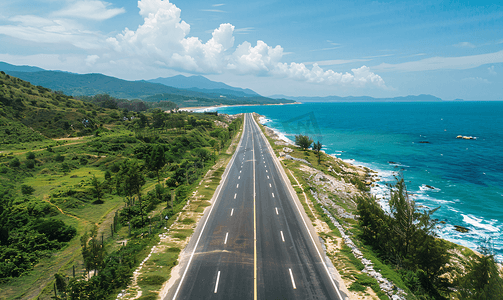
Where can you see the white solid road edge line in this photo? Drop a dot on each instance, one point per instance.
(218, 279)
(216, 195)
(278, 166)
(291, 276)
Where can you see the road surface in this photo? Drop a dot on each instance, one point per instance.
(253, 243)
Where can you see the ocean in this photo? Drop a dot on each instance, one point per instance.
(418, 140)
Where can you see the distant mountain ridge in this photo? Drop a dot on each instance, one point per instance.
(93, 84)
(410, 98)
(202, 84)
(8, 68)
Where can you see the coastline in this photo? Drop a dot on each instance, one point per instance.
(378, 187)
(208, 108)
(328, 187)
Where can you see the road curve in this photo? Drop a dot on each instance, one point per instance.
(254, 243)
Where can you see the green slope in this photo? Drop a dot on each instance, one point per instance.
(33, 113)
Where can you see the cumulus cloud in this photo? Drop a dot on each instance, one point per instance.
(95, 10)
(91, 60)
(163, 39)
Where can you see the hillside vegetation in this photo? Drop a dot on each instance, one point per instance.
(78, 214)
(34, 113)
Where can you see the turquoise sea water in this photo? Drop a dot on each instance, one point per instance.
(418, 140)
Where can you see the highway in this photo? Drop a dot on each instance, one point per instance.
(253, 243)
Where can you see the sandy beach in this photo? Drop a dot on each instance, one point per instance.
(206, 108)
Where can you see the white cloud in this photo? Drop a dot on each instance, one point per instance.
(95, 10)
(213, 10)
(163, 39)
(491, 70)
(437, 63)
(336, 62)
(476, 80)
(163, 44)
(91, 60)
(465, 45)
(244, 30)
(360, 77)
(42, 30)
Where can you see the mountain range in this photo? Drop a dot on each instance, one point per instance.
(180, 89)
(202, 84)
(410, 98)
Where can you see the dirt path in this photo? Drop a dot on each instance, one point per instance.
(46, 199)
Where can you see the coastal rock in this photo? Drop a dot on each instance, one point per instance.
(297, 159)
(466, 137)
(461, 229)
(287, 150)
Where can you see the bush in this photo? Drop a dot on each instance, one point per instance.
(56, 230)
(59, 158)
(14, 163)
(30, 155)
(30, 164)
(83, 161)
(27, 190)
(153, 280)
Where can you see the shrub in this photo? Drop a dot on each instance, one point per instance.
(27, 190)
(30, 164)
(59, 158)
(14, 163)
(83, 161)
(153, 280)
(56, 230)
(30, 155)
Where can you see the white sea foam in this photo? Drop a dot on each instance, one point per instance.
(263, 120)
(477, 222)
(282, 136)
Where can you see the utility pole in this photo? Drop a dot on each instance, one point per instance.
(172, 200)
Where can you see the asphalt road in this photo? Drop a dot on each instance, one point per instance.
(253, 243)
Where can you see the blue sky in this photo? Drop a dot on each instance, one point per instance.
(297, 48)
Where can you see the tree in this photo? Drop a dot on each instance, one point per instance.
(129, 181)
(97, 190)
(202, 154)
(317, 148)
(14, 163)
(156, 160)
(482, 280)
(158, 118)
(303, 141)
(26, 189)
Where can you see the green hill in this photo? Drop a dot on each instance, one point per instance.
(93, 84)
(33, 113)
